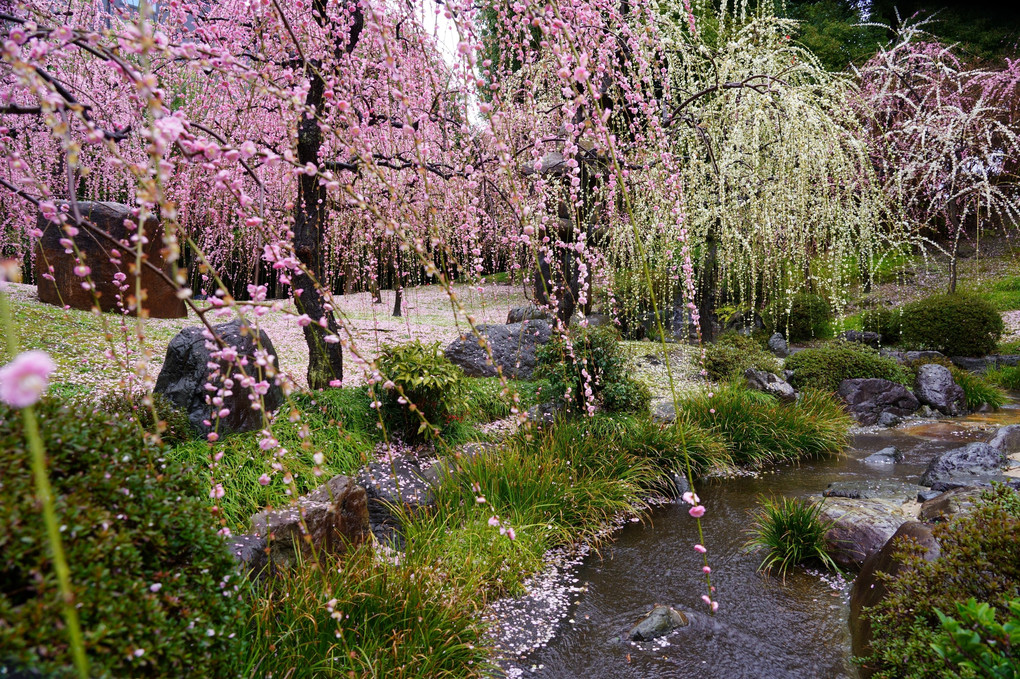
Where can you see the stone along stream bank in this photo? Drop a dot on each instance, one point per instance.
(764, 629)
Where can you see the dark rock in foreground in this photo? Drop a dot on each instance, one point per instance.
(186, 371)
(950, 504)
(513, 349)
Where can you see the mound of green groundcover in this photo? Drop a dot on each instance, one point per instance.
(153, 581)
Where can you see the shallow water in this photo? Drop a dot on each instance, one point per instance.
(764, 629)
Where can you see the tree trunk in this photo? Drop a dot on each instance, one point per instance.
(398, 299)
(954, 223)
(708, 289)
(325, 360)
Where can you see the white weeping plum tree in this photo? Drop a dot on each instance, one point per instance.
(778, 190)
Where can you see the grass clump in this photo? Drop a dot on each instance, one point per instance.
(790, 532)
(804, 318)
(826, 366)
(978, 390)
(758, 430)
(155, 586)
(956, 325)
(486, 400)
(338, 423)
(734, 353)
(360, 617)
(551, 486)
(978, 559)
(1006, 377)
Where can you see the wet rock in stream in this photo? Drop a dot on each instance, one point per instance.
(890, 455)
(874, 489)
(956, 466)
(659, 622)
(859, 528)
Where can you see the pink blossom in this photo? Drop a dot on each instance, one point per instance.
(697, 511)
(23, 380)
(700, 549)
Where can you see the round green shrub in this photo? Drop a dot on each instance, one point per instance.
(132, 407)
(733, 353)
(421, 374)
(978, 559)
(155, 586)
(565, 360)
(826, 366)
(956, 325)
(626, 396)
(808, 317)
(886, 322)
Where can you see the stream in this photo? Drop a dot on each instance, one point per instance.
(764, 629)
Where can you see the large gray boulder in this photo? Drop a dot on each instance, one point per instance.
(659, 622)
(186, 371)
(859, 528)
(778, 345)
(333, 518)
(869, 589)
(392, 488)
(772, 384)
(935, 387)
(513, 349)
(1007, 439)
(971, 462)
(530, 312)
(869, 398)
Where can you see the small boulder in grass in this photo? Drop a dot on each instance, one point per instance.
(770, 383)
(186, 372)
(936, 387)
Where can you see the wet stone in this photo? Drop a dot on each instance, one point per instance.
(659, 622)
(972, 460)
(890, 455)
(879, 489)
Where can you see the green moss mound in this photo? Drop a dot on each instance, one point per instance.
(826, 366)
(733, 353)
(155, 584)
(804, 318)
(956, 325)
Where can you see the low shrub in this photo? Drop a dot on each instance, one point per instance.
(757, 429)
(733, 353)
(826, 366)
(1007, 377)
(590, 358)
(626, 396)
(977, 644)
(423, 389)
(804, 317)
(170, 423)
(360, 617)
(886, 322)
(790, 532)
(956, 325)
(339, 424)
(154, 583)
(978, 559)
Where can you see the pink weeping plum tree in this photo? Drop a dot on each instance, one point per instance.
(943, 137)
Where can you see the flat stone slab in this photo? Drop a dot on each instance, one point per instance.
(875, 489)
(859, 528)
